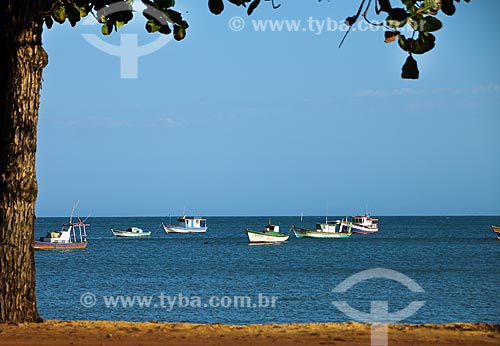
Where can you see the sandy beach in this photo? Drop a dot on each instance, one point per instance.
(55, 333)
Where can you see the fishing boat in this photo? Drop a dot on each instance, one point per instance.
(187, 224)
(328, 229)
(496, 229)
(130, 232)
(271, 234)
(65, 238)
(361, 224)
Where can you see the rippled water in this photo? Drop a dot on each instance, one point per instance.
(454, 260)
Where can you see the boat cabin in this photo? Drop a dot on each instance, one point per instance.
(364, 220)
(329, 226)
(67, 234)
(272, 228)
(62, 236)
(192, 222)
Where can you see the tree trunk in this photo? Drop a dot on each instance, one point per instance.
(22, 59)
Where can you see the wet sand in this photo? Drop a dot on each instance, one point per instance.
(55, 333)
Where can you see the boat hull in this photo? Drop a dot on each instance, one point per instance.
(360, 224)
(41, 245)
(309, 233)
(496, 229)
(358, 229)
(125, 234)
(177, 229)
(266, 237)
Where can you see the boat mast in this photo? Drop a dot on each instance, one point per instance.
(73, 212)
(71, 222)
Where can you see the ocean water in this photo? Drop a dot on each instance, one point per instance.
(217, 277)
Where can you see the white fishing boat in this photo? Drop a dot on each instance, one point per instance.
(271, 234)
(361, 224)
(130, 232)
(66, 238)
(329, 229)
(187, 224)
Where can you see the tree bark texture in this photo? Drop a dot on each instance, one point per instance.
(22, 60)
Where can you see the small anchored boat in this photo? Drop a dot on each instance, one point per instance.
(130, 232)
(328, 229)
(187, 224)
(271, 234)
(65, 238)
(310, 233)
(361, 224)
(496, 229)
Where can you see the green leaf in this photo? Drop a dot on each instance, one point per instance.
(390, 36)
(59, 14)
(165, 29)
(179, 33)
(423, 44)
(385, 6)
(397, 18)
(431, 23)
(106, 28)
(174, 16)
(410, 69)
(409, 4)
(125, 16)
(403, 43)
(416, 22)
(432, 4)
(448, 7)
(216, 6)
(165, 4)
(84, 10)
(152, 26)
(73, 15)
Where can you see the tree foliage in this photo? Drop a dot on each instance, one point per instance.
(113, 14)
(420, 16)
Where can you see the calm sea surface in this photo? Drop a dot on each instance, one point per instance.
(201, 277)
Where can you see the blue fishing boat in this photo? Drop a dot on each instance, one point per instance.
(360, 224)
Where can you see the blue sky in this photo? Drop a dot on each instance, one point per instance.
(272, 123)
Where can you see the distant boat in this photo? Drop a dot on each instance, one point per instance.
(361, 224)
(496, 229)
(65, 238)
(328, 229)
(131, 232)
(271, 234)
(187, 224)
